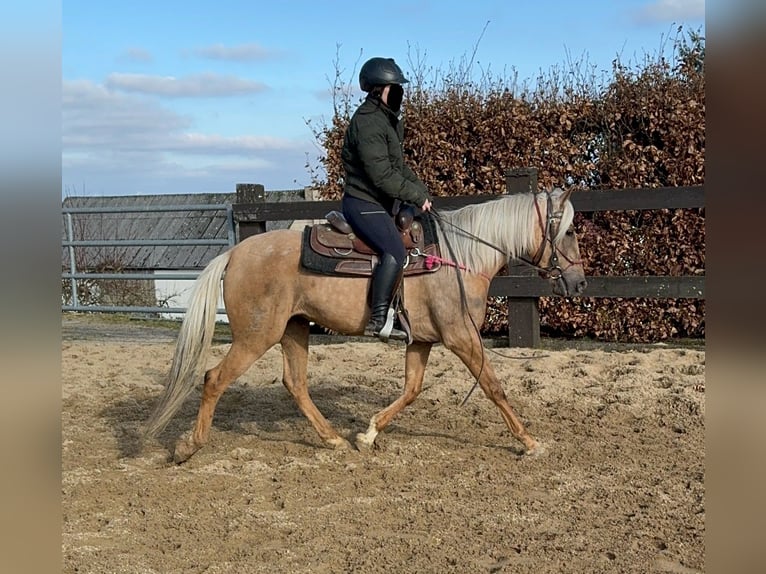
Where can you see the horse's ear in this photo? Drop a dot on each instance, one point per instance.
(564, 194)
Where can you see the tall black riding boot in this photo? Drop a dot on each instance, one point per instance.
(384, 281)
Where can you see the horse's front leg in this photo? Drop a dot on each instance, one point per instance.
(414, 368)
(480, 368)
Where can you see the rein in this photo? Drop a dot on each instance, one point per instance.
(553, 262)
(461, 286)
(438, 216)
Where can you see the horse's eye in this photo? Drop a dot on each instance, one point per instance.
(570, 232)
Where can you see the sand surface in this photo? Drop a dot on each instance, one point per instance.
(620, 487)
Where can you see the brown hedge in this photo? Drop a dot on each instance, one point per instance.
(642, 127)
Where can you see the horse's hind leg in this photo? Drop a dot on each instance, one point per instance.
(241, 355)
(295, 351)
(415, 366)
(481, 368)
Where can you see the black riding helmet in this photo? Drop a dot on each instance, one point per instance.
(380, 72)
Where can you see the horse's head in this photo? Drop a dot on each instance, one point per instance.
(558, 254)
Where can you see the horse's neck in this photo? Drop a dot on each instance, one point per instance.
(495, 232)
(496, 260)
(479, 246)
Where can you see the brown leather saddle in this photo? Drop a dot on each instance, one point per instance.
(333, 248)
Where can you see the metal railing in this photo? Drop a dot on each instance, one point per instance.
(74, 274)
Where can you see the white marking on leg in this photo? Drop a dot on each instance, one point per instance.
(368, 438)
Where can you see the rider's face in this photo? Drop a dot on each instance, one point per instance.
(392, 96)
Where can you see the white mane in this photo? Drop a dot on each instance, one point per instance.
(508, 222)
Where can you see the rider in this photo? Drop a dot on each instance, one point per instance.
(376, 177)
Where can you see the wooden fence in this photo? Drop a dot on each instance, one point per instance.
(522, 285)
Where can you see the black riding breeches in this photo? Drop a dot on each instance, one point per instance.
(375, 226)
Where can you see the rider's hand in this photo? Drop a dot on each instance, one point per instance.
(426, 205)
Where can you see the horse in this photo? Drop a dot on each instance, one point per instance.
(270, 298)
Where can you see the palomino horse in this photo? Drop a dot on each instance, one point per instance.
(269, 299)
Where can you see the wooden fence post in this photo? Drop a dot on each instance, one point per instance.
(250, 193)
(523, 314)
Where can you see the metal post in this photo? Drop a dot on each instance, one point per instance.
(72, 263)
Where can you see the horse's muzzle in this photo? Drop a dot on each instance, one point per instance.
(568, 288)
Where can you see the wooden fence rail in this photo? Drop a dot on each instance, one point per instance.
(522, 285)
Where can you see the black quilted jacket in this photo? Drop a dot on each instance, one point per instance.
(373, 160)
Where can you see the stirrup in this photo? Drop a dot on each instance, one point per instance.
(387, 331)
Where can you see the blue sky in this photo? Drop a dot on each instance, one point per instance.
(193, 96)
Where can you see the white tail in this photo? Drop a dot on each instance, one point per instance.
(192, 346)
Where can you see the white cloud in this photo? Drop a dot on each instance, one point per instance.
(674, 11)
(117, 143)
(137, 55)
(93, 116)
(193, 86)
(240, 53)
(238, 145)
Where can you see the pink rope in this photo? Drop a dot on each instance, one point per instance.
(431, 260)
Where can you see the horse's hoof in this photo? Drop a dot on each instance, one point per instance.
(534, 450)
(184, 450)
(363, 442)
(339, 444)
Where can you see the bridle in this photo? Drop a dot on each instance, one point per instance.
(553, 270)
